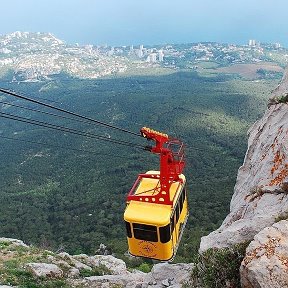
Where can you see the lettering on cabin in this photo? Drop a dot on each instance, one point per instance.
(147, 249)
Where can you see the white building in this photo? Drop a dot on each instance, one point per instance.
(252, 42)
(161, 56)
(152, 58)
(140, 53)
(277, 45)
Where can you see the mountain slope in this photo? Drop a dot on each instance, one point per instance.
(261, 192)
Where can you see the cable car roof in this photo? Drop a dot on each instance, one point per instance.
(148, 213)
(151, 213)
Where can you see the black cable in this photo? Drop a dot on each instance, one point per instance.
(46, 113)
(68, 112)
(41, 98)
(61, 147)
(69, 130)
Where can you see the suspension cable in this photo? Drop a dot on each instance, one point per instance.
(69, 130)
(67, 112)
(46, 113)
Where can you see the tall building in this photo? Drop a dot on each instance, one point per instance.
(277, 45)
(252, 42)
(111, 51)
(140, 53)
(161, 56)
(152, 58)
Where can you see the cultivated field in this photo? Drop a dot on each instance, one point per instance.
(249, 71)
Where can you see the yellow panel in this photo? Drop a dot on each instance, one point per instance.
(147, 213)
(147, 187)
(151, 213)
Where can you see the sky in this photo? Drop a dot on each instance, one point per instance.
(134, 22)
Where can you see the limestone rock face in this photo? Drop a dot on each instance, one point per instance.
(261, 191)
(162, 275)
(169, 275)
(44, 270)
(266, 262)
(129, 280)
(282, 88)
(14, 242)
(116, 266)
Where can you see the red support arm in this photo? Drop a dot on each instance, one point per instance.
(171, 166)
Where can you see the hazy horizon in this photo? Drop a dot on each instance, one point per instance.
(153, 22)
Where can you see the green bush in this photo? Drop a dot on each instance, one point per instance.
(24, 279)
(145, 267)
(96, 271)
(4, 244)
(279, 99)
(218, 268)
(283, 216)
(284, 99)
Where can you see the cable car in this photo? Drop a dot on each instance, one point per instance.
(157, 210)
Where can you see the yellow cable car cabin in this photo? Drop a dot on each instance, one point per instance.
(157, 209)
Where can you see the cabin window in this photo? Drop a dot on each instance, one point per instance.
(145, 232)
(128, 229)
(165, 234)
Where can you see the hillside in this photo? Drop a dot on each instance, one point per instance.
(68, 192)
(239, 254)
(53, 195)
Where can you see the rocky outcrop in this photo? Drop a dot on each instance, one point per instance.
(129, 280)
(169, 275)
(114, 265)
(14, 242)
(85, 271)
(266, 262)
(162, 275)
(282, 88)
(44, 270)
(261, 191)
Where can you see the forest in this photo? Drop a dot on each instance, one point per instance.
(67, 192)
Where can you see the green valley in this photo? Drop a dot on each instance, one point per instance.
(73, 200)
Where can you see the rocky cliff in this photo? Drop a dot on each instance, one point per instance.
(261, 191)
(259, 206)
